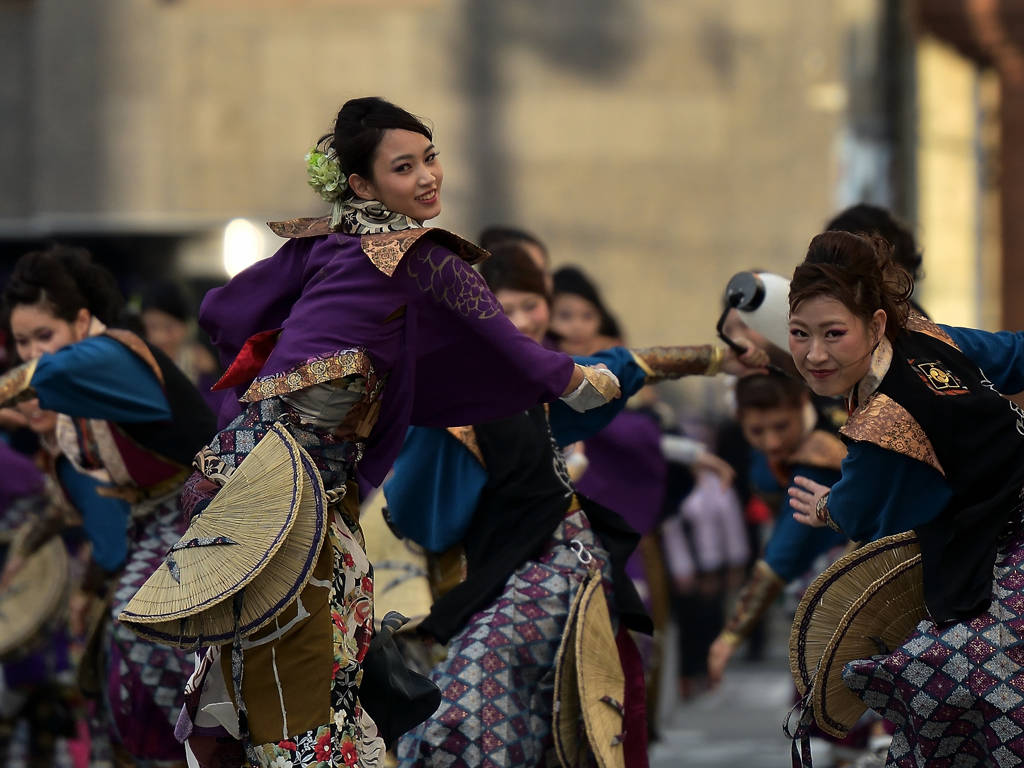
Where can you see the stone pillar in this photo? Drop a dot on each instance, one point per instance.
(991, 32)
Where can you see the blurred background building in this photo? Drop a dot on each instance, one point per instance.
(662, 144)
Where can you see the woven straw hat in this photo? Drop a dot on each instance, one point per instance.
(865, 603)
(878, 622)
(589, 677)
(261, 533)
(35, 601)
(843, 582)
(401, 579)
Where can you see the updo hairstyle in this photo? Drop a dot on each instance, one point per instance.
(864, 219)
(511, 268)
(858, 272)
(64, 280)
(761, 392)
(359, 130)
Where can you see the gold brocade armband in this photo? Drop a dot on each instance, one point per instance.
(732, 638)
(661, 363)
(603, 383)
(16, 384)
(760, 591)
(824, 516)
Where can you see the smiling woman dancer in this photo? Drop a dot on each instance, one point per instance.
(363, 323)
(935, 449)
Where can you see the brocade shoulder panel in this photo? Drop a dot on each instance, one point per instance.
(887, 424)
(384, 250)
(467, 436)
(138, 347)
(921, 324)
(820, 449)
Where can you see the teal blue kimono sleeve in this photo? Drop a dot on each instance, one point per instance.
(105, 520)
(100, 378)
(999, 355)
(569, 426)
(883, 493)
(435, 488)
(793, 546)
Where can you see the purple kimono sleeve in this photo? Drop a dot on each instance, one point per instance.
(472, 364)
(464, 362)
(257, 299)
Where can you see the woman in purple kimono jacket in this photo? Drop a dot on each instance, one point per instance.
(363, 323)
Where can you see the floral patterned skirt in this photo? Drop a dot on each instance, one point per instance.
(299, 677)
(956, 692)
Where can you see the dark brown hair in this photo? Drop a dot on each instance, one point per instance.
(511, 268)
(359, 131)
(64, 280)
(495, 234)
(858, 272)
(865, 219)
(764, 392)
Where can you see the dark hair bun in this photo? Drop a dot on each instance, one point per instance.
(864, 219)
(65, 280)
(359, 130)
(765, 392)
(511, 268)
(857, 271)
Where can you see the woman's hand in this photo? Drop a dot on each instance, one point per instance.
(754, 360)
(12, 567)
(708, 462)
(12, 419)
(591, 387)
(719, 654)
(804, 497)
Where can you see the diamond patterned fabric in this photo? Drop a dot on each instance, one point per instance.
(497, 684)
(955, 691)
(145, 681)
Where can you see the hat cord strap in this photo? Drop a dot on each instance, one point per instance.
(801, 756)
(236, 679)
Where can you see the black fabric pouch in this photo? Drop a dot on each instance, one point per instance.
(397, 698)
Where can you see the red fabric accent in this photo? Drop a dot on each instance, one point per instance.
(634, 748)
(145, 467)
(757, 512)
(249, 361)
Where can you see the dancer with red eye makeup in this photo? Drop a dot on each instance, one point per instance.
(932, 448)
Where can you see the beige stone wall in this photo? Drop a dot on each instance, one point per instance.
(713, 154)
(710, 150)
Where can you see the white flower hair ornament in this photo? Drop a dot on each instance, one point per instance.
(324, 174)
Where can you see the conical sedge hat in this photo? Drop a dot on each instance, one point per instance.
(35, 600)
(262, 533)
(589, 646)
(882, 618)
(832, 594)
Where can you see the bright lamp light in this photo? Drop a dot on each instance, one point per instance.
(243, 246)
